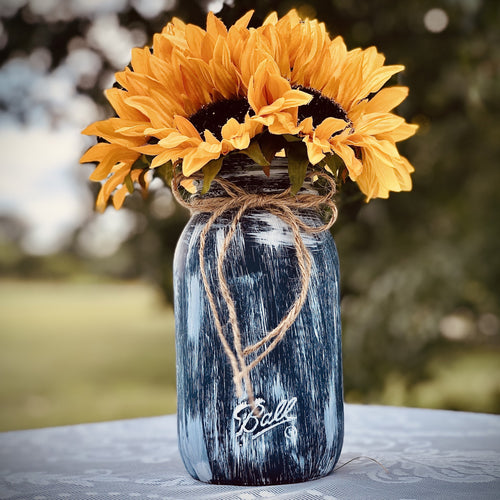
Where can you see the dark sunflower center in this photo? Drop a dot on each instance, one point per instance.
(215, 115)
(320, 107)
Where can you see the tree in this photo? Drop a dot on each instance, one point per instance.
(409, 263)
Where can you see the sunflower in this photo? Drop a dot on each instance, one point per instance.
(196, 96)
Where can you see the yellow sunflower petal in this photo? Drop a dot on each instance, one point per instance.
(403, 171)
(215, 27)
(99, 151)
(272, 18)
(194, 39)
(379, 170)
(232, 128)
(387, 99)
(196, 159)
(172, 154)
(284, 123)
(353, 164)
(329, 126)
(378, 123)
(116, 98)
(140, 60)
(185, 127)
(243, 21)
(176, 139)
(273, 83)
(294, 98)
(110, 185)
(207, 47)
(237, 135)
(107, 129)
(270, 109)
(375, 82)
(314, 152)
(108, 155)
(403, 132)
(210, 138)
(119, 197)
(158, 116)
(306, 125)
(189, 185)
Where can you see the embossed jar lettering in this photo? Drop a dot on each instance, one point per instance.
(259, 420)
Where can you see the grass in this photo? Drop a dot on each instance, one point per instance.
(466, 381)
(86, 352)
(74, 353)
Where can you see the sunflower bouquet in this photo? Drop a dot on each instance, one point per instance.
(197, 96)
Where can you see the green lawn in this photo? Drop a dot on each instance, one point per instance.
(83, 352)
(465, 379)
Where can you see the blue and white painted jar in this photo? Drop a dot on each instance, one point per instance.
(295, 431)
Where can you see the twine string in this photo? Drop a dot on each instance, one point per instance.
(359, 458)
(281, 205)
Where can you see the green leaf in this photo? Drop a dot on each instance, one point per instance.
(142, 163)
(334, 163)
(291, 138)
(210, 170)
(129, 183)
(270, 144)
(142, 179)
(255, 153)
(297, 164)
(165, 172)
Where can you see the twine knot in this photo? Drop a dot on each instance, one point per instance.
(284, 206)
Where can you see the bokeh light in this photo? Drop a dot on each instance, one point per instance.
(436, 20)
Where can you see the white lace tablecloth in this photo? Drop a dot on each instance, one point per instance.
(421, 454)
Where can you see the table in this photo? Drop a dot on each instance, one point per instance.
(420, 454)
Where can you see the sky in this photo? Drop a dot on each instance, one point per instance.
(41, 180)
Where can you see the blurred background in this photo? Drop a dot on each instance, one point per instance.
(86, 323)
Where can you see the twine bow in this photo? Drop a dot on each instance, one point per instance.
(281, 205)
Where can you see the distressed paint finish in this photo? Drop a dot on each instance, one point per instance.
(298, 386)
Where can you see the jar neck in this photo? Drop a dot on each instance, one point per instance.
(250, 176)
